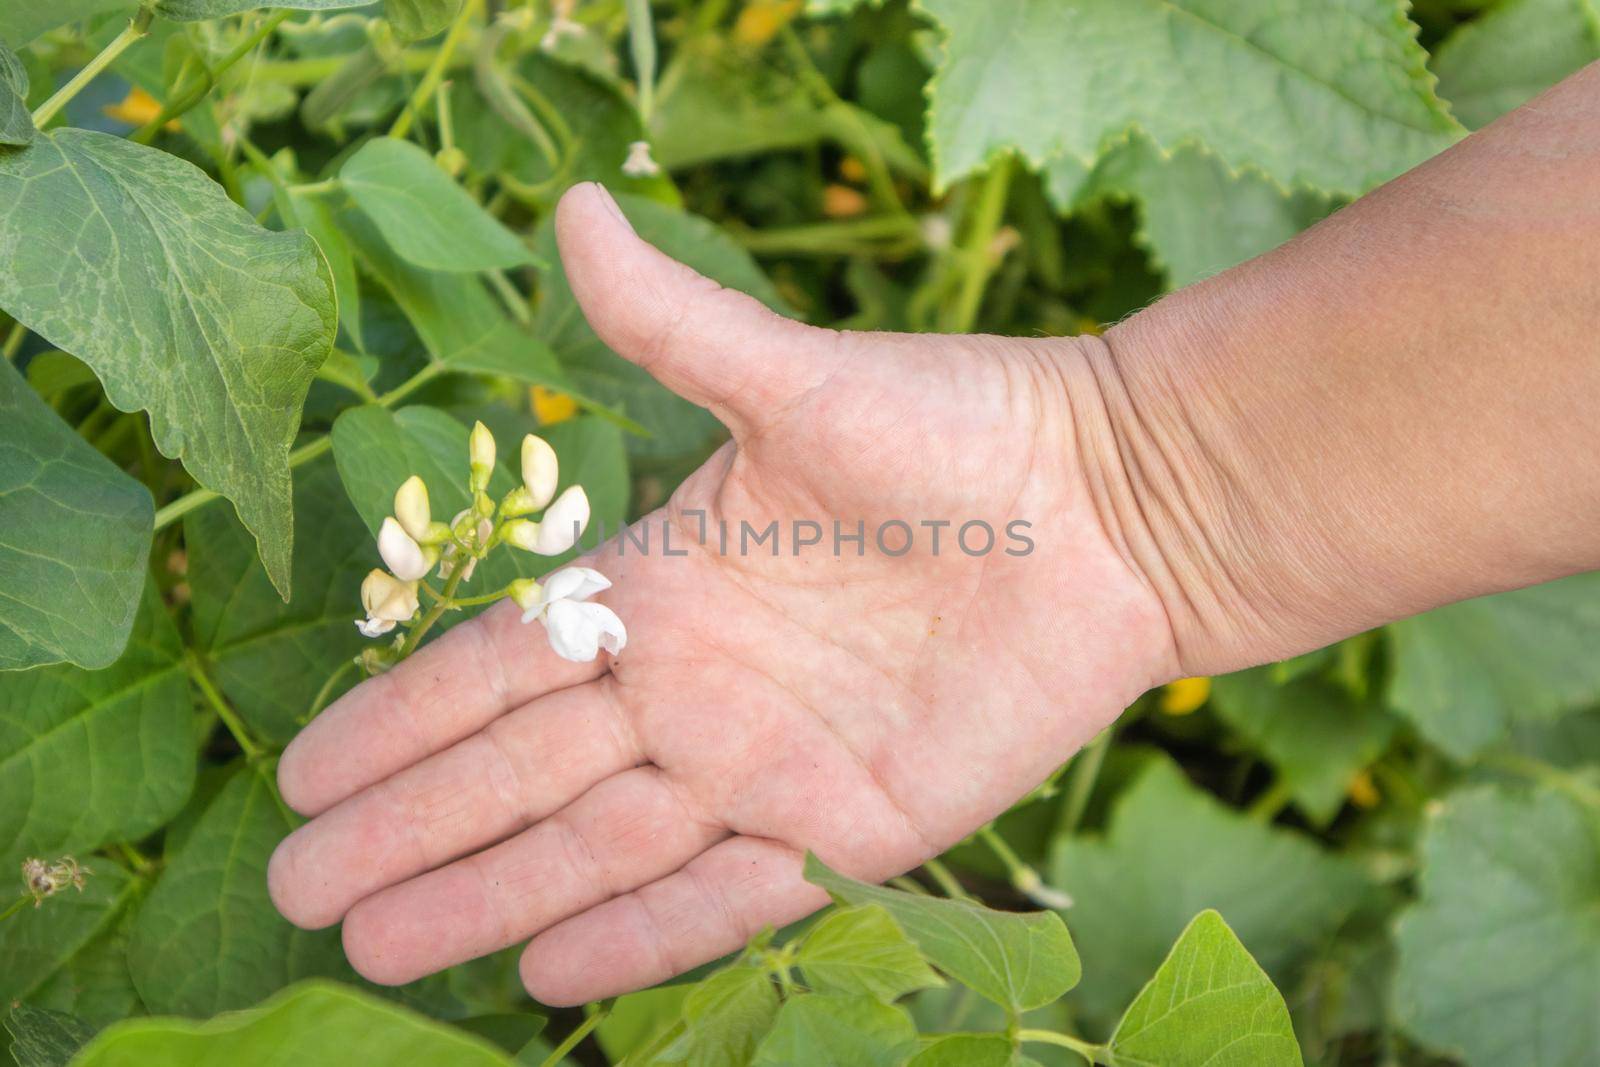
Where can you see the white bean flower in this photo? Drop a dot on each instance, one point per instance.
(640, 164)
(387, 601)
(578, 628)
(401, 553)
(563, 523)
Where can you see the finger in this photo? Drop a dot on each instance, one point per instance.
(712, 907)
(714, 346)
(447, 691)
(515, 771)
(629, 830)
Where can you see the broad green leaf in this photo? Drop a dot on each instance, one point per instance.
(23, 20)
(74, 539)
(312, 214)
(208, 939)
(44, 1038)
(725, 1017)
(429, 220)
(966, 1050)
(414, 20)
(1209, 1005)
(637, 1018)
(1198, 219)
(272, 659)
(1500, 956)
(827, 1028)
(38, 941)
(91, 757)
(313, 1024)
(138, 264)
(1466, 673)
(862, 951)
(1328, 94)
(677, 426)
(1513, 52)
(1317, 736)
(1171, 850)
(95, 985)
(1019, 960)
(460, 323)
(16, 122)
(200, 10)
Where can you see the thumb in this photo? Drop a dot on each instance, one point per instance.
(713, 346)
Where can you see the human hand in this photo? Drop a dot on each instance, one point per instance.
(640, 816)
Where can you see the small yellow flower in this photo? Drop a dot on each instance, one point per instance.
(842, 202)
(761, 20)
(137, 108)
(852, 169)
(1185, 695)
(1364, 791)
(552, 407)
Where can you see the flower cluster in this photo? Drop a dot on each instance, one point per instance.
(47, 879)
(412, 544)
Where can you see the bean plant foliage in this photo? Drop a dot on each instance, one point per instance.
(262, 263)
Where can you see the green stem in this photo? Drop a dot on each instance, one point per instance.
(304, 454)
(13, 343)
(320, 701)
(15, 906)
(575, 1037)
(253, 750)
(870, 234)
(514, 301)
(172, 110)
(435, 613)
(136, 859)
(435, 72)
(1271, 802)
(137, 28)
(978, 261)
(642, 46)
(1091, 1052)
(946, 880)
(331, 185)
(1546, 774)
(453, 604)
(1080, 787)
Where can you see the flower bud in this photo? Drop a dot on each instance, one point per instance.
(521, 533)
(411, 509)
(451, 160)
(563, 523)
(540, 469)
(480, 453)
(517, 502)
(437, 534)
(400, 553)
(525, 591)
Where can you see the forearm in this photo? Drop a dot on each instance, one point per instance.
(1398, 409)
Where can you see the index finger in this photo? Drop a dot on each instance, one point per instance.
(447, 691)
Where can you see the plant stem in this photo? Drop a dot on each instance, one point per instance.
(978, 260)
(1548, 775)
(575, 1037)
(14, 341)
(15, 906)
(331, 185)
(1091, 1052)
(190, 100)
(136, 859)
(137, 28)
(435, 72)
(1271, 802)
(946, 880)
(873, 233)
(252, 749)
(304, 454)
(414, 638)
(642, 46)
(1080, 787)
(514, 301)
(319, 701)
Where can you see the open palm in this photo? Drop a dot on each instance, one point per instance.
(640, 816)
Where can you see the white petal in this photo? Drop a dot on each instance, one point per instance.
(613, 635)
(402, 555)
(574, 634)
(563, 522)
(540, 469)
(374, 627)
(573, 583)
(411, 508)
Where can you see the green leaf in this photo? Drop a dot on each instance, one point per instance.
(966, 1050)
(95, 985)
(1466, 673)
(201, 10)
(38, 941)
(138, 264)
(1198, 219)
(637, 1018)
(16, 122)
(677, 426)
(91, 757)
(1171, 850)
(271, 660)
(416, 20)
(44, 1038)
(1328, 95)
(208, 938)
(1209, 1005)
(1500, 956)
(74, 539)
(863, 951)
(21, 22)
(313, 1024)
(1316, 735)
(429, 220)
(725, 1017)
(825, 1028)
(1514, 51)
(1020, 961)
(312, 214)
